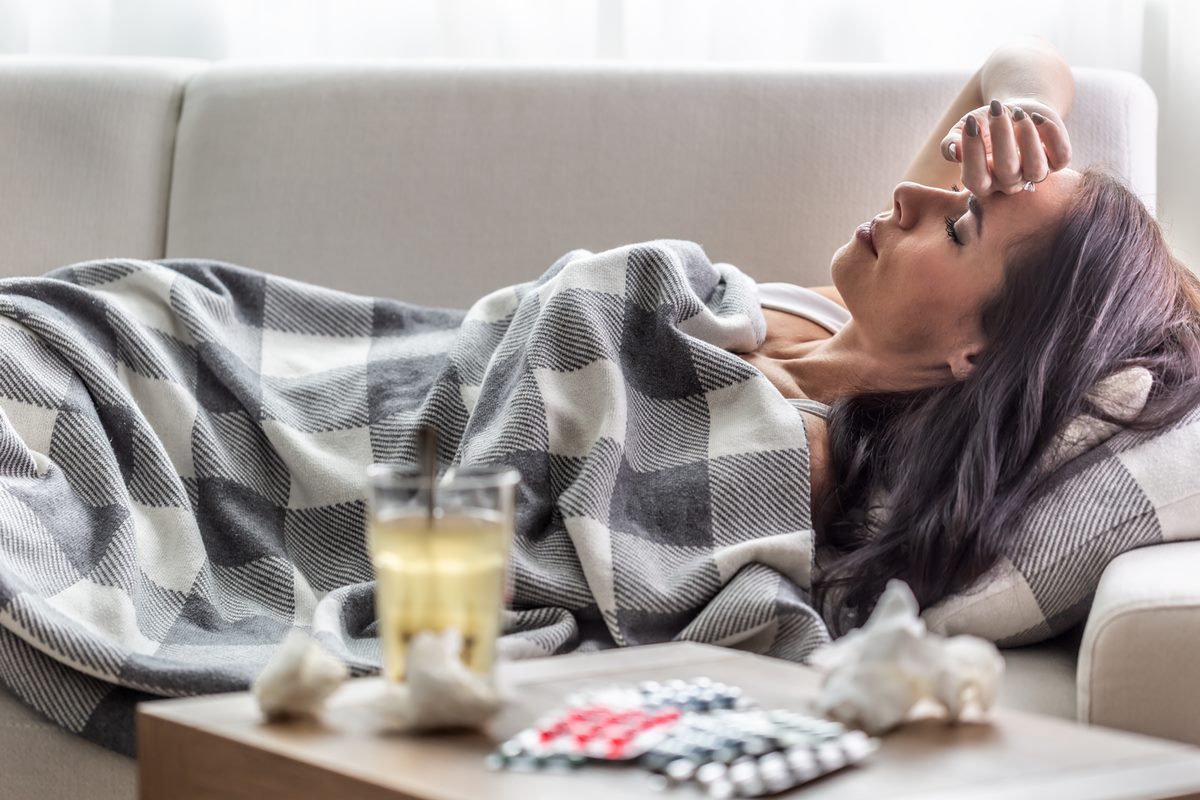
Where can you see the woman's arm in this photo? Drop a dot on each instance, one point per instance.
(930, 166)
(1027, 72)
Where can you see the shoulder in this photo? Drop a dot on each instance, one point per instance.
(820, 470)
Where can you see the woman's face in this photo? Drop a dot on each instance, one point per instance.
(920, 299)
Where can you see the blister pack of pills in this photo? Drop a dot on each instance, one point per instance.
(750, 753)
(701, 731)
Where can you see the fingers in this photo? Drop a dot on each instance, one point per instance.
(1002, 152)
(952, 144)
(1034, 166)
(975, 173)
(1006, 162)
(1056, 141)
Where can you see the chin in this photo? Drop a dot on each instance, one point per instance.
(846, 274)
(840, 269)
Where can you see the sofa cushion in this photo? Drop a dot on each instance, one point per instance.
(39, 759)
(1133, 490)
(1041, 678)
(87, 159)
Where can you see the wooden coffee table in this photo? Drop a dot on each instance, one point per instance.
(218, 747)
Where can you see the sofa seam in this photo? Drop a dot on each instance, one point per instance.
(1121, 612)
(183, 90)
(1175, 502)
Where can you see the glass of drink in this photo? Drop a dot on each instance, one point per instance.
(440, 550)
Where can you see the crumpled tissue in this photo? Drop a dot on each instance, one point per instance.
(298, 679)
(440, 692)
(874, 676)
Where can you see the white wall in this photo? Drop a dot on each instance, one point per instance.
(1172, 67)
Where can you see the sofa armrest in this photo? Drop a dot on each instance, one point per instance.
(1141, 644)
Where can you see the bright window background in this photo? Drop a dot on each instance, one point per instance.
(1156, 39)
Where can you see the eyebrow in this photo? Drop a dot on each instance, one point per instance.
(977, 210)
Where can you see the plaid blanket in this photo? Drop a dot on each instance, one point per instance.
(183, 444)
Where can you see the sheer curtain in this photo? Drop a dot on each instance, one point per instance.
(1152, 38)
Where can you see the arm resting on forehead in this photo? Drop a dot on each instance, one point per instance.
(1027, 72)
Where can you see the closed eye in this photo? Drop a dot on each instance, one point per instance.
(953, 234)
(950, 232)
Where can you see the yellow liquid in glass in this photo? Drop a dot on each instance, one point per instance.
(434, 579)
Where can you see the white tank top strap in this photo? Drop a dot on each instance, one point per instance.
(811, 406)
(805, 303)
(812, 306)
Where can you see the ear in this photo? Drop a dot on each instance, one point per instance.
(962, 361)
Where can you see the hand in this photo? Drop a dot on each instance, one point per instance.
(1025, 141)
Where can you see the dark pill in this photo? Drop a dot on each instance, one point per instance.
(757, 745)
(726, 755)
(657, 760)
(524, 763)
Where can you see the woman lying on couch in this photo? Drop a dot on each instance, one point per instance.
(183, 443)
(979, 320)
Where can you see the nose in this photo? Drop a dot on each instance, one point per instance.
(911, 200)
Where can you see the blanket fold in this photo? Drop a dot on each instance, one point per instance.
(183, 445)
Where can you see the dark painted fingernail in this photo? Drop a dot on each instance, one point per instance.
(1037, 118)
(972, 127)
(996, 108)
(1018, 114)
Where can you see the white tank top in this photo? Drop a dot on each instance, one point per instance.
(812, 306)
(804, 303)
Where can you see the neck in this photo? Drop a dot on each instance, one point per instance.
(847, 364)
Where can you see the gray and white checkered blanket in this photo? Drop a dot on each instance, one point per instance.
(183, 444)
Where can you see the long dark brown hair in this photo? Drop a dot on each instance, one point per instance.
(927, 483)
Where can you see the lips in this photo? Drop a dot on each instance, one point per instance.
(866, 234)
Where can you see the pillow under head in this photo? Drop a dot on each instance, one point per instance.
(1113, 489)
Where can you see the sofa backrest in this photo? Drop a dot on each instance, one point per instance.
(436, 183)
(85, 158)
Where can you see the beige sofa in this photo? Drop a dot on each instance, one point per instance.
(436, 183)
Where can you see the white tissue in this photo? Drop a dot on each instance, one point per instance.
(875, 675)
(440, 692)
(298, 678)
